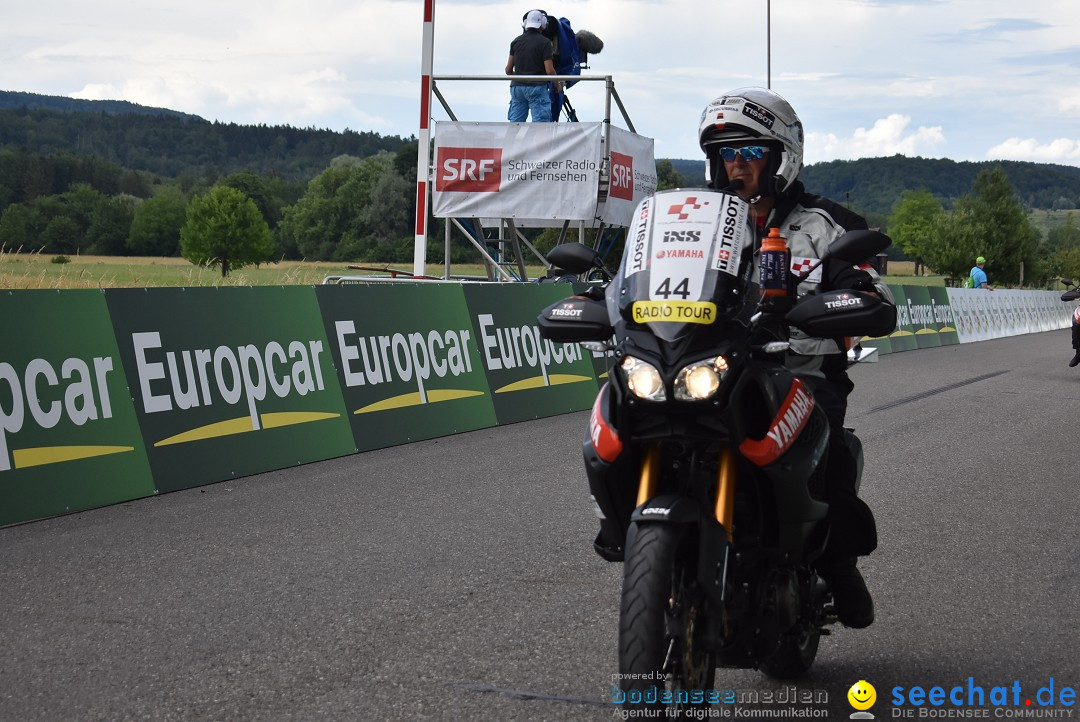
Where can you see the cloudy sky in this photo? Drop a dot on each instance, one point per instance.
(960, 79)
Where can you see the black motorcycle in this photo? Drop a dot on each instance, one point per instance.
(704, 453)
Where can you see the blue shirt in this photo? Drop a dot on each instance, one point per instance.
(978, 275)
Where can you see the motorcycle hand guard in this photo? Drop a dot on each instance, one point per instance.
(574, 320)
(843, 313)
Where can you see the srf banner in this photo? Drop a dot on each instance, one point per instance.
(631, 178)
(517, 170)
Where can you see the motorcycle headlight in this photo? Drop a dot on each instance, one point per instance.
(643, 380)
(700, 380)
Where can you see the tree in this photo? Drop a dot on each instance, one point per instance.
(14, 227)
(225, 228)
(155, 229)
(354, 208)
(110, 225)
(1063, 245)
(1005, 233)
(61, 235)
(916, 222)
(989, 221)
(667, 177)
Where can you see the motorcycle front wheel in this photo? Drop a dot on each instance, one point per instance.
(662, 621)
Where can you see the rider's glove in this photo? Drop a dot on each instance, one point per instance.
(842, 275)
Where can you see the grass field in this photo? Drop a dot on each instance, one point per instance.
(37, 270)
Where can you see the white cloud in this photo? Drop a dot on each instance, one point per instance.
(1064, 151)
(888, 136)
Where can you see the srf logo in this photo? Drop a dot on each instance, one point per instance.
(622, 176)
(468, 170)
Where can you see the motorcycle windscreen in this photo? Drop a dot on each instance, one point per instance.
(680, 269)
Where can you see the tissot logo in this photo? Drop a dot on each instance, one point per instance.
(622, 177)
(468, 170)
(759, 114)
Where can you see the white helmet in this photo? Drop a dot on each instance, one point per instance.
(753, 114)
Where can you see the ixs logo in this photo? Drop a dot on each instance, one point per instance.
(468, 170)
(622, 177)
(681, 236)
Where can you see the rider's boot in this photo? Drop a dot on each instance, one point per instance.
(1075, 359)
(854, 605)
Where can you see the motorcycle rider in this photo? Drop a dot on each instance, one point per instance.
(1068, 296)
(753, 143)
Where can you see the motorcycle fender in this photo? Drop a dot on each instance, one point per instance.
(712, 538)
(675, 509)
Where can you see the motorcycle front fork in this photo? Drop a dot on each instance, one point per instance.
(724, 507)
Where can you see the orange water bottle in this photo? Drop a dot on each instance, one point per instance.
(775, 265)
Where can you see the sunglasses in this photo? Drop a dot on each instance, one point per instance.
(748, 153)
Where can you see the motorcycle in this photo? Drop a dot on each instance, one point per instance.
(704, 453)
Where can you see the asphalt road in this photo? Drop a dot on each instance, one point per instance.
(454, 579)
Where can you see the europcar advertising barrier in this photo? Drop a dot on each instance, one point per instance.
(69, 437)
(409, 360)
(229, 381)
(112, 395)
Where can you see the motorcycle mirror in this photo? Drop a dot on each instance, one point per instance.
(576, 258)
(856, 246)
(1067, 281)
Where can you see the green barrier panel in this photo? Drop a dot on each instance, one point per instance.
(943, 315)
(69, 438)
(408, 361)
(903, 338)
(921, 314)
(529, 377)
(229, 381)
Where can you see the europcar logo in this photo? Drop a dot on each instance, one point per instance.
(42, 394)
(416, 358)
(521, 347)
(180, 379)
(468, 170)
(622, 177)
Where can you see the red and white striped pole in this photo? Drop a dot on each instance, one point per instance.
(420, 248)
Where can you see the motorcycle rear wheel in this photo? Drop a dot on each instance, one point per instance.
(662, 621)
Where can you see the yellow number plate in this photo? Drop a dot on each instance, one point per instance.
(674, 311)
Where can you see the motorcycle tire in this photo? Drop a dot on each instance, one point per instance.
(798, 648)
(662, 620)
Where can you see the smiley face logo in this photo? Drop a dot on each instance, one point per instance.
(862, 695)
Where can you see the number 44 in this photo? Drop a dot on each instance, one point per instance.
(666, 291)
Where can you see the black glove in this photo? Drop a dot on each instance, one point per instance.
(842, 275)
